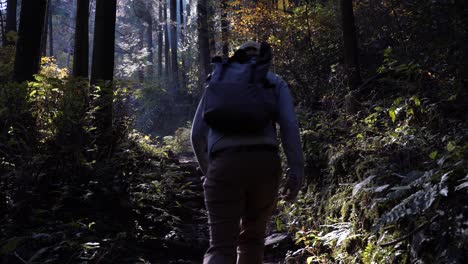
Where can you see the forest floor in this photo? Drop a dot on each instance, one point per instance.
(162, 221)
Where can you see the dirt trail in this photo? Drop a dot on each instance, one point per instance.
(190, 247)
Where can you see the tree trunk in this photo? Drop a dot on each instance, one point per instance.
(211, 30)
(28, 49)
(45, 31)
(2, 26)
(203, 39)
(51, 31)
(167, 59)
(81, 50)
(225, 29)
(160, 40)
(104, 41)
(182, 42)
(103, 69)
(174, 59)
(11, 16)
(149, 43)
(141, 46)
(351, 52)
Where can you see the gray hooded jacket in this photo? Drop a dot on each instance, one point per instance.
(206, 140)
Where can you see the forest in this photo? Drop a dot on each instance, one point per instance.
(97, 99)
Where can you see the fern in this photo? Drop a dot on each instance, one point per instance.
(414, 204)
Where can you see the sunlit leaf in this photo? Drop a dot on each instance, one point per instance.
(392, 114)
(451, 146)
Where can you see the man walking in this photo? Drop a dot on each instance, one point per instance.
(243, 173)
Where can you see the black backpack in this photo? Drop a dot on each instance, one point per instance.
(238, 98)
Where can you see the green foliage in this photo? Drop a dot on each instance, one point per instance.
(180, 142)
(7, 59)
(160, 113)
(15, 120)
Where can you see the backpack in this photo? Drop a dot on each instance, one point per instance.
(238, 98)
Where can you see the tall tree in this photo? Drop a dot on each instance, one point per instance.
(28, 49)
(174, 59)
(2, 26)
(143, 10)
(160, 39)
(149, 43)
(211, 12)
(81, 50)
(167, 59)
(103, 67)
(45, 30)
(225, 28)
(182, 42)
(51, 30)
(11, 16)
(351, 51)
(141, 46)
(203, 38)
(104, 40)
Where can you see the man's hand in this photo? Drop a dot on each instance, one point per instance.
(292, 187)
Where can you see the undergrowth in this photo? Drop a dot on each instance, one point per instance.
(383, 184)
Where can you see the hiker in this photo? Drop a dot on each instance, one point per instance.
(242, 165)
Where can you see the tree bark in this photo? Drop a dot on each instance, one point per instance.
(45, 31)
(51, 30)
(211, 30)
(160, 40)
(2, 26)
(149, 44)
(174, 60)
(351, 51)
(104, 41)
(28, 49)
(11, 16)
(203, 39)
(141, 46)
(225, 29)
(167, 59)
(182, 42)
(81, 50)
(102, 69)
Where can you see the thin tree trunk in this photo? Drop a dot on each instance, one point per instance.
(141, 46)
(351, 52)
(182, 42)
(28, 49)
(211, 30)
(160, 40)
(174, 59)
(2, 26)
(45, 31)
(203, 39)
(225, 29)
(167, 59)
(51, 31)
(81, 50)
(149, 43)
